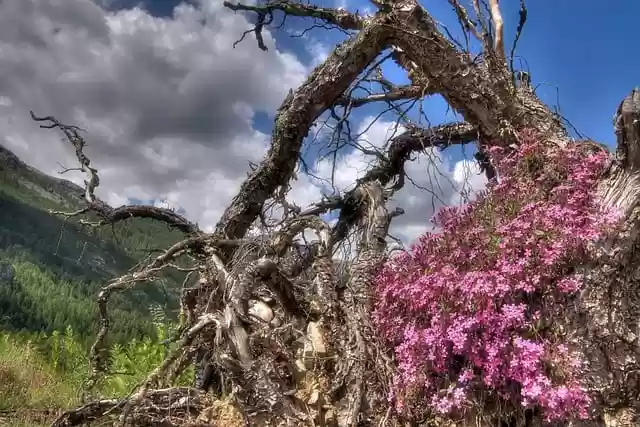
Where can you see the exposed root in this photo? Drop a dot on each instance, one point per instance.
(279, 339)
(178, 406)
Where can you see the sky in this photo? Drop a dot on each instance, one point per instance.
(174, 113)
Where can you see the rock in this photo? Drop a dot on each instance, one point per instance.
(314, 398)
(330, 418)
(299, 370)
(268, 300)
(314, 345)
(7, 273)
(261, 310)
(276, 322)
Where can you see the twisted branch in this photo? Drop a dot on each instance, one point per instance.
(337, 17)
(106, 213)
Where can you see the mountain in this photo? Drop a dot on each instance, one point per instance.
(51, 269)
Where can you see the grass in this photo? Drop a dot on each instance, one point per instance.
(42, 375)
(30, 387)
(27, 379)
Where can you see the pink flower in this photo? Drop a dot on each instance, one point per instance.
(459, 310)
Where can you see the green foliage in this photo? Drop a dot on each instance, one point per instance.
(51, 270)
(27, 379)
(134, 361)
(59, 265)
(39, 371)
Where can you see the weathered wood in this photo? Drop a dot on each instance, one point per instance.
(348, 385)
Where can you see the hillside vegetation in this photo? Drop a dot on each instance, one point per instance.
(51, 268)
(42, 374)
(50, 272)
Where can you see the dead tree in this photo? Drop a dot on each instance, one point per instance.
(313, 358)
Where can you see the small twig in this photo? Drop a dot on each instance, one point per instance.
(521, 22)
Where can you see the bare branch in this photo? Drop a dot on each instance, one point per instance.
(97, 352)
(413, 140)
(392, 166)
(293, 121)
(496, 17)
(106, 213)
(627, 128)
(205, 320)
(394, 94)
(170, 405)
(87, 413)
(465, 20)
(113, 215)
(521, 22)
(357, 304)
(72, 135)
(484, 26)
(484, 97)
(340, 18)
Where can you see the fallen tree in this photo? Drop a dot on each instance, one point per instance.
(294, 341)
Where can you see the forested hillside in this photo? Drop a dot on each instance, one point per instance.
(51, 268)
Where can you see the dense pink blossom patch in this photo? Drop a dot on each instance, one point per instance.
(465, 310)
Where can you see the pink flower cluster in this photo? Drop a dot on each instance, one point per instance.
(465, 311)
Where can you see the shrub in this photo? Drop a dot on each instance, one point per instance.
(470, 310)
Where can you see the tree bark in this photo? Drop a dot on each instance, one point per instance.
(347, 370)
(607, 316)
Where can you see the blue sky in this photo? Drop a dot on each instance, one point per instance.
(577, 53)
(155, 94)
(576, 56)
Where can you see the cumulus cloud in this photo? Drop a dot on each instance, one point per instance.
(169, 106)
(168, 103)
(433, 180)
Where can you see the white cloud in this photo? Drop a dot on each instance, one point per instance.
(433, 181)
(168, 103)
(353, 165)
(319, 51)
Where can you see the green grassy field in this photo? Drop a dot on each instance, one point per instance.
(41, 375)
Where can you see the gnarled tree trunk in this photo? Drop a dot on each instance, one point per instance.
(338, 373)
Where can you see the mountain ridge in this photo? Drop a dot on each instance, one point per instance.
(59, 265)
